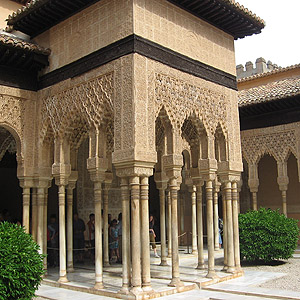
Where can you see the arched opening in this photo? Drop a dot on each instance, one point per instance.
(269, 195)
(293, 202)
(10, 190)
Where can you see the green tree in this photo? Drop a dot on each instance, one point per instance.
(21, 266)
(267, 235)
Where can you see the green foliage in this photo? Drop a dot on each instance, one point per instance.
(21, 266)
(267, 235)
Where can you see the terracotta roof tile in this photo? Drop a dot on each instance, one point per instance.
(15, 42)
(275, 71)
(272, 91)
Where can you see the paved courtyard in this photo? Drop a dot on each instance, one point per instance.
(247, 287)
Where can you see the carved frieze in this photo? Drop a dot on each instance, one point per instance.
(277, 144)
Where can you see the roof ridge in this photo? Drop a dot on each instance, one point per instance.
(275, 71)
(16, 42)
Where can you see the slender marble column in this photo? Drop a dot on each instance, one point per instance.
(62, 234)
(105, 226)
(216, 216)
(169, 225)
(70, 265)
(210, 230)
(98, 235)
(235, 216)
(26, 208)
(224, 230)
(125, 236)
(40, 225)
(200, 228)
(254, 200)
(162, 203)
(284, 206)
(34, 219)
(175, 257)
(45, 208)
(230, 246)
(194, 221)
(145, 240)
(135, 235)
(181, 201)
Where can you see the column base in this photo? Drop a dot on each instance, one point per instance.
(217, 248)
(212, 274)
(225, 269)
(147, 288)
(231, 270)
(169, 256)
(63, 279)
(99, 286)
(124, 290)
(136, 290)
(201, 267)
(106, 264)
(176, 282)
(195, 252)
(163, 263)
(70, 269)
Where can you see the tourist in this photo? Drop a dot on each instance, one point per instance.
(152, 235)
(119, 227)
(114, 244)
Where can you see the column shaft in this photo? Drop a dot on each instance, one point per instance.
(26, 208)
(194, 221)
(169, 225)
(145, 241)
(216, 219)
(34, 218)
(70, 229)
(235, 216)
(105, 227)
(125, 235)
(230, 246)
(174, 221)
(254, 200)
(224, 229)
(98, 236)
(135, 234)
(284, 205)
(40, 225)
(200, 228)
(162, 203)
(210, 230)
(62, 234)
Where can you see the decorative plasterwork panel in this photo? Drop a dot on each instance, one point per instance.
(75, 110)
(12, 113)
(277, 144)
(181, 100)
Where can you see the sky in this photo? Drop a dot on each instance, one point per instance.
(279, 41)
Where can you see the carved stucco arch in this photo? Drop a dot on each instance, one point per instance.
(88, 105)
(276, 144)
(182, 100)
(12, 111)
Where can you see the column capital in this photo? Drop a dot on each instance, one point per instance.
(134, 168)
(26, 182)
(172, 165)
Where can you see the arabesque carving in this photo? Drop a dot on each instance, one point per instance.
(277, 144)
(181, 99)
(75, 110)
(12, 113)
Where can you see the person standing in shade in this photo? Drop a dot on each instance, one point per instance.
(53, 241)
(119, 227)
(114, 236)
(152, 235)
(78, 237)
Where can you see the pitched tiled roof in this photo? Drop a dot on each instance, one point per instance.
(275, 71)
(12, 41)
(272, 91)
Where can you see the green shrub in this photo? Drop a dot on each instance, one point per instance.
(267, 235)
(21, 266)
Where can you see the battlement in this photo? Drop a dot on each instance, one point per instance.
(249, 70)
